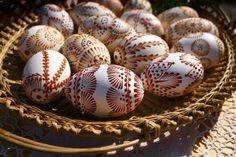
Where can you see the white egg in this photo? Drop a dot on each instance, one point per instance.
(143, 22)
(53, 15)
(105, 90)
(138, 4)
(115, 5)
(83, 51)
(207, 47)
(45, 75)
(172, 75)
(188, 26)
(174, 14)
(84, 10)
(107, 29)
(137, 52)
(38, 38)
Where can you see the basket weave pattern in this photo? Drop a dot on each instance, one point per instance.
(154, 116)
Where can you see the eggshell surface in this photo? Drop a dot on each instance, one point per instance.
(53, 15)
(188, 26)
(172, 75)
(115, 5)
(45, 75)
(143, 22)
(38, 38)
(207, 47)
(107, 29)
(138, 51)
(138, 4)
(83, 51)
(105, 90)
(174, 14)
(85, 10)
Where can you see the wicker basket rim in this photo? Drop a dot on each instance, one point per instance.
(148, 127)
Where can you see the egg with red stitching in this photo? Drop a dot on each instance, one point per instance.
(57, 17)
(174, 14)
(138, 4)
(115, 5)
(105, 90)
(109, 30)
(137, 52)
(188, 26)
(45, 75)
(172, 75)
(207, 47)
(84, 50)
(38, 38)
(143, 22)
(85, 10)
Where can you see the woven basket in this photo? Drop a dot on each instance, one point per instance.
(154, 116)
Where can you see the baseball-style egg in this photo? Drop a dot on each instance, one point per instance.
(53, 15)
(188, 26)
(137, 52)
(143, 22)
(172, 75)
(85, 10)
(45, 75)
(107, 29)
(138, 4)
(174, 14)
(83, 51)
(38, 38)
(115, 5)
(207, 47)
(105, 90)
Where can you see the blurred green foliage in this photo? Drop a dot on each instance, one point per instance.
(161, 5)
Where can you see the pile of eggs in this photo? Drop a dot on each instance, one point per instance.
(103, 55)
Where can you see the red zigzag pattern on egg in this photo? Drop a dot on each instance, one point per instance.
(35, 80)
(131, 51)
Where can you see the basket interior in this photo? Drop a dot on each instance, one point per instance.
(164, 112)
(150, 105)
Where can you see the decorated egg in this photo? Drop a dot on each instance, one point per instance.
(38, 38)
(45, 75)
(172, 75)
(174, 14)
(53, 15)
(115, 5)
(83, 51)
(105, 90)
(138, 51)
(107, 29)
(188, 26)
(138, 4)
(143, 22)
(207, 47)
(85, 10)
